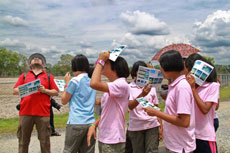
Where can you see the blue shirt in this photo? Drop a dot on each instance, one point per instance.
(81, 104)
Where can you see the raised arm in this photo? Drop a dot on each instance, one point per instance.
(203, 106)
(96, 82)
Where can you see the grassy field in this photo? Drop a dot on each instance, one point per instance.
(10, 125)
(225, 93)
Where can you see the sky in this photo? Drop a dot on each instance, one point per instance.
(57, 27)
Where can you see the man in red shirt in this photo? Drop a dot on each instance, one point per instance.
(35, 108)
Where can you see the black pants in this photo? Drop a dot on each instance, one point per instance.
(203, 146)
(52, 119)
(216, 124)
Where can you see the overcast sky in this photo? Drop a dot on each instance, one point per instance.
(56, 27)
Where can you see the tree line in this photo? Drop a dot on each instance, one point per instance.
(12, 64)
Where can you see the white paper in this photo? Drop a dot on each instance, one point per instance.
(201, 71)
(116, 52)
(145, 103)
(60, 84)
(149, 75)
(29, 88)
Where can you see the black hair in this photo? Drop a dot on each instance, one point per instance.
(91, 69)
(171, 61)
(189, 62)
(136, 66)
(120, 66)
(80, 63)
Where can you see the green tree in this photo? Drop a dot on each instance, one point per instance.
(210, 59)
(11, 63)
(63, 66)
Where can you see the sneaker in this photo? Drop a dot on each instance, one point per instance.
(55, 134)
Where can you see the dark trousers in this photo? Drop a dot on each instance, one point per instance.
(128, 144)
(216, 123)
(52, 119)
(203, 146)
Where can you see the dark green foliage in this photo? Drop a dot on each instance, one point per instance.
(11, 63)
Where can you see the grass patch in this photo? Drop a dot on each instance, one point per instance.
(8, 125)
(225, 93)
(60, 120)
(11, 125)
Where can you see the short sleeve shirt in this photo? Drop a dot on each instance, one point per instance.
(180, 101)
(208, 92)
(81, 104)
(138, 118)
(114, 107)
(37, 104)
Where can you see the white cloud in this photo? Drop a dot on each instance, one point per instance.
(143, 23)
(213, 36)
(214, 31)
(14, 21)
(8, 42)
(102, 2)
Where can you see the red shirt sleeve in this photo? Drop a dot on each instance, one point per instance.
(20, 80)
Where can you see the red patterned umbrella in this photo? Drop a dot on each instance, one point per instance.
(184, 49)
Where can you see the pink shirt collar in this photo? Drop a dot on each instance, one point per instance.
(175, 82)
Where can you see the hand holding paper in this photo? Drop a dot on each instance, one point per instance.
(144, 103)
(191, 80)
(60, 84)
(116, 52)
(104, 56)
(150, 111)
(29, 88)
(146, 90)
(201, 70)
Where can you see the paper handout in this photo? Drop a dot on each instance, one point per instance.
(60, 84)
(29, 88)
(145, 103)
(149, 75)
(116, 52)
(201, 70)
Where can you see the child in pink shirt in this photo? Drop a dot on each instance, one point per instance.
(179, 115)
(206, 98)
(114, 103)
(143, 130)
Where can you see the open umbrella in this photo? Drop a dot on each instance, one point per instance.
(184, 49)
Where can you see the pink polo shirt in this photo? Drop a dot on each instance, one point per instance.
(114, 107)
(138, 118)
(180, 101)
(208, 92)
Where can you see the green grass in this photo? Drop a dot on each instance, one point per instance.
(11, 125)
(8, 125)
(60, 120)
(225, 93)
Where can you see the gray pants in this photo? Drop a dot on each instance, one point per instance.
(76, 139)
(111, 148)
(25, 128)
(145, 141)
